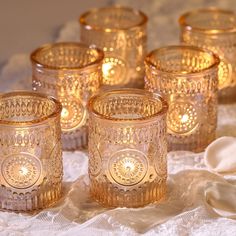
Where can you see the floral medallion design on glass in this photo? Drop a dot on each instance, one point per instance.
(21, 170)
(71, 72)
(128, 167)
(225, 73)
(114, 67)
(73, 113)
(182, 117)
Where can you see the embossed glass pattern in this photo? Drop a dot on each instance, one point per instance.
(187, 77)
(31, 157)
(71, 72)
(121, 33)
(127, 148)
(214, 29)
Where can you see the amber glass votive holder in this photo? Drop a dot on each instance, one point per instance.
(121, 33)
(72, 72)
(127, 148)
(31, 156)
(214, 29)
(187, 77)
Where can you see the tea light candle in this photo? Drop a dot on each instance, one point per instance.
(121, 33)
(71, 72)
(187, 77)
(31, 157)
(127, 147)
(214, 29)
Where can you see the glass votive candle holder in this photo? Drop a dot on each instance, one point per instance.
(31, 157)
(121, 33)
(127, 148)
(71, 72)
(214, 29)
(187, 77)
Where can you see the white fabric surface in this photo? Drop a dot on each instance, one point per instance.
(185, 212)
(220, 198)
(220, 155)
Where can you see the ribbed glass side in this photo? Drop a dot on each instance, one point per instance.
(127, 154)
(71, 72)
(29, 201)
(121, 33)
(188, 78)
(109, 195)
(214, 29)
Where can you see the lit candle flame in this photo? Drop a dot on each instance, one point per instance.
(129, 166)
(23, 170)
(107, 69)
(184, 118)
(64, 112)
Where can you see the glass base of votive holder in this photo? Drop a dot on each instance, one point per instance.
(35, 200)
(75, 140)
(227, 95)
(194, 143)
(110, 196)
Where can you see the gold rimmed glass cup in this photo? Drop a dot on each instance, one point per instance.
(31, 157)
(72, 72)
(187, 77)
(214, 29)
(121, 33)
(127, 148)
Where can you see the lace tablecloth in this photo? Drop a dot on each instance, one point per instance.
(184, 212)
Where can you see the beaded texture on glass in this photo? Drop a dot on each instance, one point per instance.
(214, 33)
(73, 80)
(124, 45)
(31, 157)
(127, 161)
(192, 96)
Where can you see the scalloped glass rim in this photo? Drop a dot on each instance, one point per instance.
(56, 112)
(140, 92)
(83, 21)
(184, 23)
(148, 60)
(34, 55)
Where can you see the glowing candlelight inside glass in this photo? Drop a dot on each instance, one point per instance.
(121, 33)
(127, 147)
(107, 69)
(30, 154)
(72, 72)
(23, 170)
(64, 113)
(184, 118)
(188, 77)
(214, 29)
